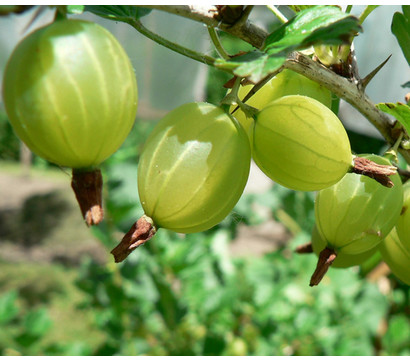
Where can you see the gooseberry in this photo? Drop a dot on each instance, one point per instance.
(356, 213)
(287, 82)
(71, 96)
(396, 256)
(301, 144)
(192, 171)
(70, 93)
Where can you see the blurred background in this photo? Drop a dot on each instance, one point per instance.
(237, 289)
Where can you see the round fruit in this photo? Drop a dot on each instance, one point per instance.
(193, 168)
(342, 260)
(396, 256)
(403, 224)
(355, 214)
(287, 82)
(332, 54)
(301, 144)
(70, 93)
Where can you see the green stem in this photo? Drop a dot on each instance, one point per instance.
(396, 145)
(349, 9)
(217, 43)
(235, 88)
(366, 12)
(232, 97)
(391, 153)
(282, 18)
(205, 59)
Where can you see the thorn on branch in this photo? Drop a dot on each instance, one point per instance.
(365, 81)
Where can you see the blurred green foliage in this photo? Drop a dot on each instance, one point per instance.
(187, 295)
(9, 143)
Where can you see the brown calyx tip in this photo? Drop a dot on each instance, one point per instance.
(304, 248)
(141, 231)
(378, 172)
(326, 258)
(87, 186)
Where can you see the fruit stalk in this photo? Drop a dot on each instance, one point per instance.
(141, 231)
(87, 186)
(326, 258)
(304, 249)
(378, 172)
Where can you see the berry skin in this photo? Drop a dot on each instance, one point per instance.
(301, 144)
(287, 82)
(396, 256)
(354, 215)
(403, 224)
(193, 168)
(70, 93)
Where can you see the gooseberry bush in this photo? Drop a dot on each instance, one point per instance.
(71, 96)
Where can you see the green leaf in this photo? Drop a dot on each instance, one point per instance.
(400, 111)
(255, 65)
(118, 12)
(366, 12)
(8, 307)
(75, 9)
(400, 27)
(37, 322)
(168, 304)
(318, 24)
(397, 334)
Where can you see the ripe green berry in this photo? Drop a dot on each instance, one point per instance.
(70, 93)
(301, 144)
(396, 256)
(342, 260)
(193, 168)
(354, 215)
(403, 224)
(287, 82)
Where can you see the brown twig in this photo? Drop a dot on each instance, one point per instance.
(244, 30)
(140, 232)
(304, 248)
(87, 186)
(378, 172)
(326, 258)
